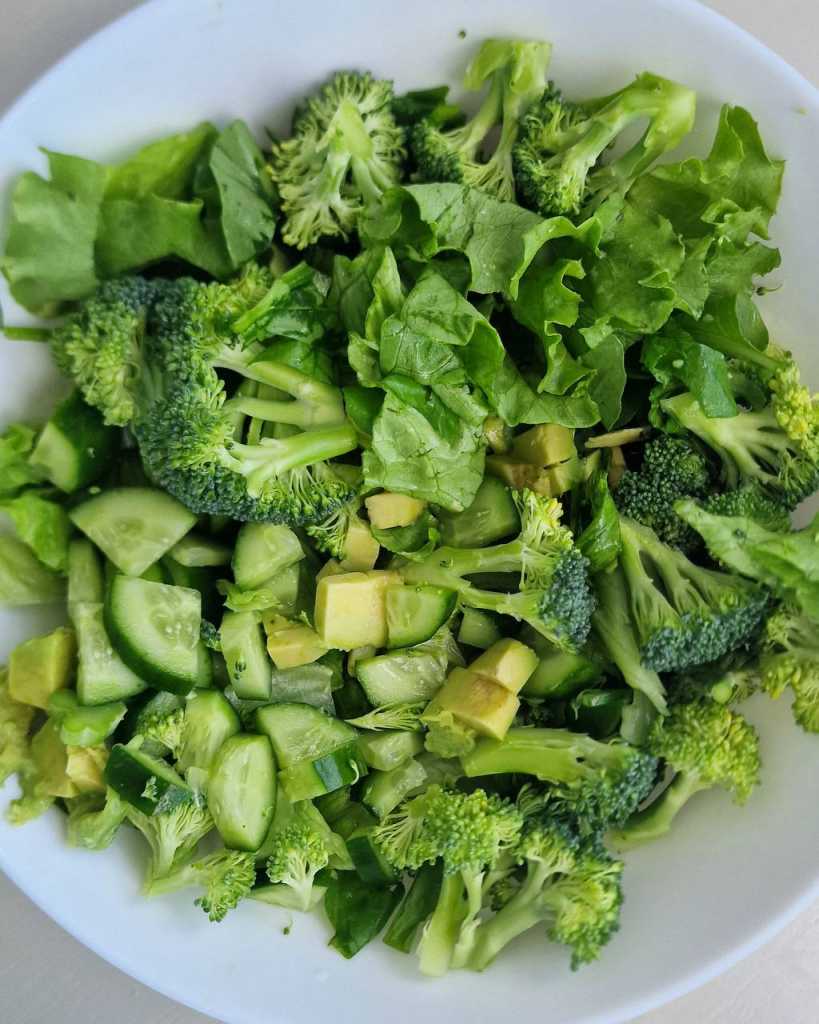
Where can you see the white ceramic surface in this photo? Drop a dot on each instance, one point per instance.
(729, 879)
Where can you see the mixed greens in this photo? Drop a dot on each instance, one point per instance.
(421, 506)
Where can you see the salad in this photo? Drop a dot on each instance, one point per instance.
(420, 506)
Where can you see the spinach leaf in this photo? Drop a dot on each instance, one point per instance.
(674, 357)
(600, 540)
(415, 907)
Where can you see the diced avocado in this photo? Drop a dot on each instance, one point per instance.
(508, 662)
(85, 768)
(544, 445)
(498, 435)
(518, 475)
(565, 476)
(361, 549)
(332, 567)
(291, 644)
(491, 517)
(477, 702)
(66, 771)
(41, 666)
(388, 510)
(351, 609)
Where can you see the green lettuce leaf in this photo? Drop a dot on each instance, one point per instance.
(24, 579)
(600, 540)
(41, 524)
(16, 443)
(163, 168)
(673, 357)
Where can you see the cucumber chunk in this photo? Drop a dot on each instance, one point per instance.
(102, 676)
(370, 863)
(323, 774)
(75, 447)
(195, 551)
(491, 517)
(245, 654)
(300, 732)
(262, 551)
(387, 750)
(85, 578)
(242, 791)
(133, 526)
(403, 675)
(209, 722)
(154, 628)
(478, 629)
(384, 791)
(414, 614)
(140, 779)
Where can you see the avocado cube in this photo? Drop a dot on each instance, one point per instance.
(518, 475)
(477, 702)
(388, 510)
(498, 435)
(50, 757)
(565, 476)
(332, 567)
(85, 767)
(293, 644)
(508, 662)
(544, 445)
(361, 549)
(351, 609)
(41, 666)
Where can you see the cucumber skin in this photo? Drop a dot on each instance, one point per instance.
(79, 429)
(224, 801)
(128, 773)
(310, 778)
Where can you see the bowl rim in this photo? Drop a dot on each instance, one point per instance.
(651, 998)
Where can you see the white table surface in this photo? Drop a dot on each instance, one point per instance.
(45, 975)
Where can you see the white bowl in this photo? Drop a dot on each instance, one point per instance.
(729, 878)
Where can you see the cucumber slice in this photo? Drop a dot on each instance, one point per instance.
(384, 791)
(414, 614)
(491, 517)
(75, 447)
(242, 791)
(154, 628)
(140, 779)
(201, 578)
(102, 676)
(370, 863)
(387, 750)
(478, 629)
(300, 732)
(195, 551)
(85, 579)
(209, 722)
(245, 654)
(314, 777)
(133, 526)
(262, 551)
(404, 675)
(153, 574)
(305, 684)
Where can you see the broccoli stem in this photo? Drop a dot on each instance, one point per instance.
(26, 333)
(551, 755)
(521, 913)
(440, 934)
(656, 819)
(182, 878)
(273, 456)
(300, 414)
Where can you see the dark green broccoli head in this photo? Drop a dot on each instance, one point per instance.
(750, 502)
(100, 346)
(672, 469)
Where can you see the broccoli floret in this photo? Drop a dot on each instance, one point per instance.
(227, 877)
(599, 784)
(404, 716)
(750, 502)
(470, 834)
(299, 852)
(192, 436)
(165, 728)
(94, 819)
(516, 73)
(671, 469)
(684, 614)
(173, 832)
(776, 447)
(555, 596)
(15, 724)
(706, 744)
(560, 144)
(100, 346)
(346, 150)
(330, 535)
(571, 886)
(791, 658)
(731, 684)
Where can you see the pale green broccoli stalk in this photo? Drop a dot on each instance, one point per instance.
(570, 886)
(516, 73)
(403, 716)
(790, 657)
(227, 877)
(561, 143)
(470, 834)
(15, 725)
(94, 819)
(298, 853)
(346, 150)
(181, 820)
(706, 744)
(555, 596)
